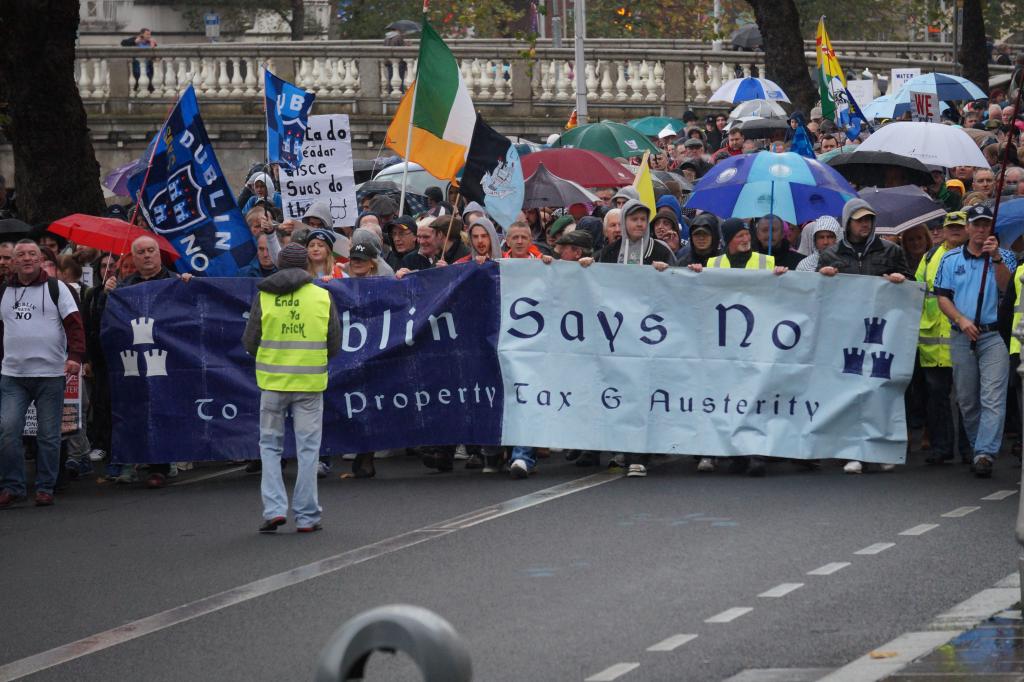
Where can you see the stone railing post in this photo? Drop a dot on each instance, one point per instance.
(369, 98)
(675, 88)
(120, 70)
(522, 90)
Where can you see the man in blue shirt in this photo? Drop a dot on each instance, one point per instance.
(981, 361)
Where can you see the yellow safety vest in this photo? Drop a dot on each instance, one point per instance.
(934, 330)
(757, 261)
(293, 349)
(1018, 308)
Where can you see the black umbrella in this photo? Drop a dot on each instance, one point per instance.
(13, 228)
(900, 208)
(756, 127)
(403, 25)
(881, 168)
(747, 37)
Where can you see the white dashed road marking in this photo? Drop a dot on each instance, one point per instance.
(921, 529)
(876, 548)
(672, 643)
(960, 511)
(729, 615)
(613, 672)
(1000, 495)
(781, 590)
(829, 569)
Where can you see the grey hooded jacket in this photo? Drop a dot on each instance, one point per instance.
(873, 257)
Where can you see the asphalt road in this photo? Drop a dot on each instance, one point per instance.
(564, 588)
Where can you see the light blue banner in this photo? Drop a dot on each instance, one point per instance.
(717, 363)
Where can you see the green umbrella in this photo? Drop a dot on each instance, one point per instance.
(652, 125)
(609, 138)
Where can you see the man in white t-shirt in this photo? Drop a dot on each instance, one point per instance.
(43, 340)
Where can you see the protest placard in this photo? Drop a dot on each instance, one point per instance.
(863, 91)
(897, 77)
(325, 172)
(924, 106)
(71, 420)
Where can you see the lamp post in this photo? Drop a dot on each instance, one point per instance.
(579, 20)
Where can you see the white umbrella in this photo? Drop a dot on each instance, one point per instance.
(763, 108)
(935, 144)
(544, 188)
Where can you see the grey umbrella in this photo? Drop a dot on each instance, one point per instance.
(747, 37)
(403, 25)
(763, 108)
(900, 208)
(544, 188)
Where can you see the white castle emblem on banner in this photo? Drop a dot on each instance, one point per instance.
(155, 358)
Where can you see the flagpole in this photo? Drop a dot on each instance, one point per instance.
(412, 116)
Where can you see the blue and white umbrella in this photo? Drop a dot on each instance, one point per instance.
(795, 188)
(947, 87)
(892, 106)
(1010, 222)
(742, 89)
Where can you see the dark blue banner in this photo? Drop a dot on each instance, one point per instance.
(187, 200)
(418, 366)
(287, 108)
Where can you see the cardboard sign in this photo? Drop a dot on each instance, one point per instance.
(924, 106)
(863, 91)
(325, 172)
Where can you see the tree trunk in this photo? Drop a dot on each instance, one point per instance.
(784, 59)
(973, 51)
(298, 23)
(55, 168)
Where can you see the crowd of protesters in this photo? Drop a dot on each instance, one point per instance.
(963, 401)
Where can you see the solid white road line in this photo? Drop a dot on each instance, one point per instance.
(613, 672)
(876, 548)
(729, 615)
(1000, 495)
(829, 569)
(920, 529)
(672, 643)
(781, 590)
(960, 511)
(258, 588)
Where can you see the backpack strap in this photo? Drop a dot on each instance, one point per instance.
(54, 286)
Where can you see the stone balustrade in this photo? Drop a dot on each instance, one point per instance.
(369, 79)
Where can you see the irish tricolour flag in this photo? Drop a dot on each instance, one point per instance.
(441, 112)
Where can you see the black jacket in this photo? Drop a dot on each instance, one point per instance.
(656, 251)
(875, 257)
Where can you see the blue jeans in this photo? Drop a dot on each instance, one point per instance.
(307, 420)
(526, 454)
(15, 395)
(981, 377)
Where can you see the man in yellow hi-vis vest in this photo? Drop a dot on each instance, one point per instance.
(737, 238)
(293, 328)
(933, 343)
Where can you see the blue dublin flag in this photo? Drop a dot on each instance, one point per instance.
(186, 198)
(287, 108)
(493, 174)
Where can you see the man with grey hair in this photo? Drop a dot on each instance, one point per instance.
(43, 341)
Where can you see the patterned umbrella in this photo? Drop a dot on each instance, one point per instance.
(741, 89)
(795, 188)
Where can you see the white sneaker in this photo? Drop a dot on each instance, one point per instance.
(323, 469)
(853, 467)
(888, 467)
(636, 471)
(460, 452)
(97, 455)
(186, 466)
(172, 470)
(518, 469)
(349, 457)
(706, 464)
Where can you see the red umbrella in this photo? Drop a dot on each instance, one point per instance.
(108, 234)
(582, 166)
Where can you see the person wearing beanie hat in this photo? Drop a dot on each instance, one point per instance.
(738, 254)
(434, 196)
(293, 329)
(636, 246)
(322, 263)
(705, 241)
(384, 207)
(558, 226)
(666, 228)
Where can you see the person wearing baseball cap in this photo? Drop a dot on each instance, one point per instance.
(967, 287)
